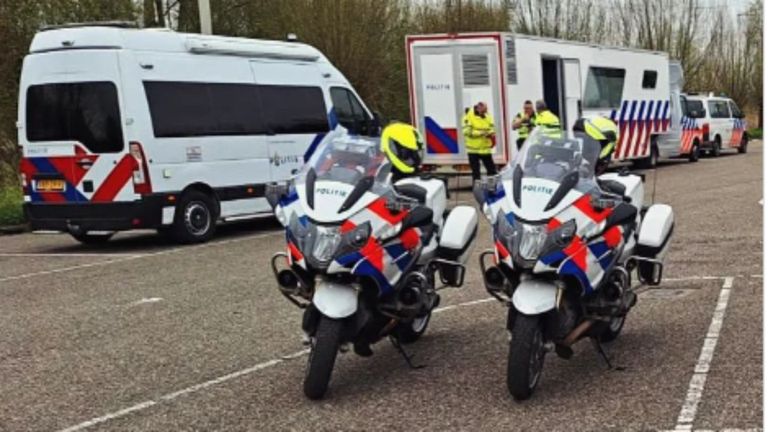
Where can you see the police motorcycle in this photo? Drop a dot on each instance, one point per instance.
(365, 257)
(565, 246)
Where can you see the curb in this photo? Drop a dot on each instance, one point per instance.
(13, 229)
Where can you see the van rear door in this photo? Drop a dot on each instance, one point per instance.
(71, 128)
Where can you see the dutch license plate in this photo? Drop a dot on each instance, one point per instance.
(48, 185)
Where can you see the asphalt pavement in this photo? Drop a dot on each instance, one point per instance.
(144, 335)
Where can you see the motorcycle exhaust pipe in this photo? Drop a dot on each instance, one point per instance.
(576, 333)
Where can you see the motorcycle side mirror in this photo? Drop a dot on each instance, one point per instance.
(420, 216)
(274, 192)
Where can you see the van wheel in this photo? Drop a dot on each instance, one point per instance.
(652, 160)
(694, 156)
(743, 146)
(195, 219)
(716, 147)
(92, 239)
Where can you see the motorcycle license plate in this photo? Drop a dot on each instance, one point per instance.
(50, 185)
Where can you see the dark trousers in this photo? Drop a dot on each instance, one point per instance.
(474, 163)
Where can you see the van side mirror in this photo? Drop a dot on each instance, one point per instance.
(376, 123)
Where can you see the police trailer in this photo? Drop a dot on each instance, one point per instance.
(450, 73)
(124, 128)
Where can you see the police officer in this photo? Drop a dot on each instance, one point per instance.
(479, 130)
(403, 146)
(545, 119)
(524, 121)
(605, 132)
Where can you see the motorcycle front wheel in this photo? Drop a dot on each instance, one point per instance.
(526, 356)
(322, 357)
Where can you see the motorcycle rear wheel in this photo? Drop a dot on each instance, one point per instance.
(526, 357)
(322, 358)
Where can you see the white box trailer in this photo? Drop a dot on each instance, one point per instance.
(449, 73)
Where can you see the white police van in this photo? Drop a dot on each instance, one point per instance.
(720, 123)
(124, 128)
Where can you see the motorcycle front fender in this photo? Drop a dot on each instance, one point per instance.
(335, 300)
(534, 297)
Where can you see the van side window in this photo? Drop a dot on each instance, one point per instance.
(349, 111)
(605, 87)
(649, 79)
(695, 109)
(188, 109)
(294, 109)
(718, 109)
(87, 112)
(735, 111)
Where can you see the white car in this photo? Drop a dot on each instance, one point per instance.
(722, 122)
(125, 128)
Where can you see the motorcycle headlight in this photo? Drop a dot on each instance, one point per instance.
(532, 239)
(326, 244)
(560, 237)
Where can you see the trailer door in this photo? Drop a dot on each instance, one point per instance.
(448, 79)
(572, 92)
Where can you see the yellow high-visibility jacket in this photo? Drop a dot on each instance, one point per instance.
(475, 130)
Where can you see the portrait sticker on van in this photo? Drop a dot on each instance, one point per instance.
(194, 154)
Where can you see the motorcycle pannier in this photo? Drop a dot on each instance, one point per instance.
(456, 240)
(653, 242)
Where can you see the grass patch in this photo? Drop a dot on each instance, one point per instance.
(11, 200)
(755, 133)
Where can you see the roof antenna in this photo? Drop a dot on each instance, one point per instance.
(291, 37)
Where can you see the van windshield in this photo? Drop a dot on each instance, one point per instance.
(86, 112)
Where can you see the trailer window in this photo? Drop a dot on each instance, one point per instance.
(294, 109)
(649, 79)
(511, 62)
(188, 109)
(605, 88)
(349, 111)
(87, 112)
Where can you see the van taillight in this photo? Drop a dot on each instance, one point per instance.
(705, 131)
(23, 177)
(141, 182)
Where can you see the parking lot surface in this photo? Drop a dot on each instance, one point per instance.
(141, 334)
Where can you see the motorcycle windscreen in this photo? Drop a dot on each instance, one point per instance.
(552, 170)
(344, 175)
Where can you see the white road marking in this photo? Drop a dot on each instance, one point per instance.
(145, 300)
(224, 378)
(698, 380)
(134, 257)
(64, 255)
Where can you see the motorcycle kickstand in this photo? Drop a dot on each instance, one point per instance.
(599, 348)
(408, 357)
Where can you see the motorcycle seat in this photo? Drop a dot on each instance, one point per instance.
(413, 191)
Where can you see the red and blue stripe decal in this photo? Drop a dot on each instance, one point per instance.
(440, 140)
(637, 120)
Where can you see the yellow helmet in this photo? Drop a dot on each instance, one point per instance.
(403, 145)
(602, 130)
